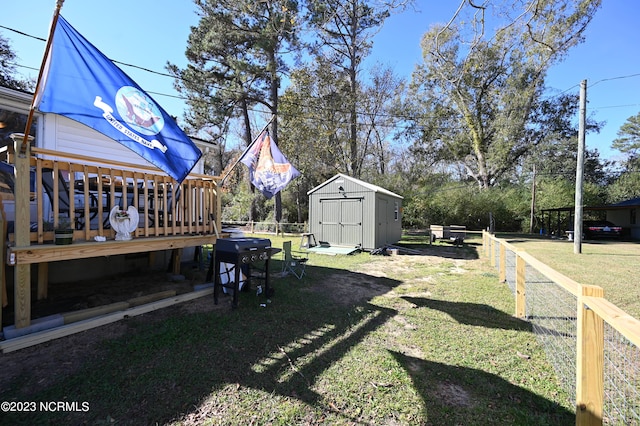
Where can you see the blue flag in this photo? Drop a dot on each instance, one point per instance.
(269, 170)
(84, 85)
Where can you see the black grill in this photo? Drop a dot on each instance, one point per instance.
(245, 254)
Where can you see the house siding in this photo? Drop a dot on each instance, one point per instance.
(66, 135)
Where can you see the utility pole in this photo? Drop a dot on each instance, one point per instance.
(533, 201)
(577, 223)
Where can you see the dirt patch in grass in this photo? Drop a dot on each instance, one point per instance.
(348, 288)
(44, 363)
(453, 395)
(63, 356)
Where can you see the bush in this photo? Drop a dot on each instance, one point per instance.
(465, 204)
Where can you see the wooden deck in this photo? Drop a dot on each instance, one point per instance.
(84, 190)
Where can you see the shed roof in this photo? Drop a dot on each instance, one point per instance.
(369, 186)
(633, 202)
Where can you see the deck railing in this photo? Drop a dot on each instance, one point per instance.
(84, 190)
(50, 185)
(593, 345)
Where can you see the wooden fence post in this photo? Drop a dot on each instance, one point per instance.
(589, 361)
(484, 241)
(521, 273)
(492, 252)
(503, 263)
(487, 246)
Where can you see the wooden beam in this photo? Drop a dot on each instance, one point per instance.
(66, 330)
(83, 250)
(3, 269)
(177, 254)
(148, 298)
(492, 250)
(22, 289)
(624, 323)
(589, 361)
(22, 278)
(83, 314)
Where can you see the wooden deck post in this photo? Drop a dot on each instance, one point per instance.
(22, 279)
(3, 268)
(177, 255)
(589, 361)
(521, 272)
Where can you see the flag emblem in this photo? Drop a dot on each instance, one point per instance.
(139, 111)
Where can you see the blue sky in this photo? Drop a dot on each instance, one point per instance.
(143, 33)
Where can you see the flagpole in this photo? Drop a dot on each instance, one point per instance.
(245, 151)
(54, 21)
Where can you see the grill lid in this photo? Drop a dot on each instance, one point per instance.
(242, 245)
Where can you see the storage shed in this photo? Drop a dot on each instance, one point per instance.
(344, 211)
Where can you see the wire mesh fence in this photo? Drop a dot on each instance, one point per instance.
(621, 379)
(510, 265)
(269, 227)
(552, 310)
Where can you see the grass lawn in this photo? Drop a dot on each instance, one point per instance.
(612, 265)
(361, 340)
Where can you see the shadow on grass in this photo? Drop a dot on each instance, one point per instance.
(163, 371)
(200, 365)
(473, 313)
(455, 395)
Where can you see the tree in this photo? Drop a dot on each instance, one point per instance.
(236, 56)
(377, 103)
(627, 184)
(8, 68)
(625, 187)
(313, 120)
(628, 140)
(315, 123)
(345, 32)
(481, 89)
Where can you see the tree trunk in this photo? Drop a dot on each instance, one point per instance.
(353, 86)
(275, 83)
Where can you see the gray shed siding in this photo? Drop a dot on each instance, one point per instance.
(344, 211)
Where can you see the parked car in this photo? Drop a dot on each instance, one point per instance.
(600, 229)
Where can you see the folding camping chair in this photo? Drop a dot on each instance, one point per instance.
(294, 262)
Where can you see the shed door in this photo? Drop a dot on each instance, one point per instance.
(341, 221)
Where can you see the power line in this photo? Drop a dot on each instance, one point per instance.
(24, 34)
(381, 115)
(622, 77)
